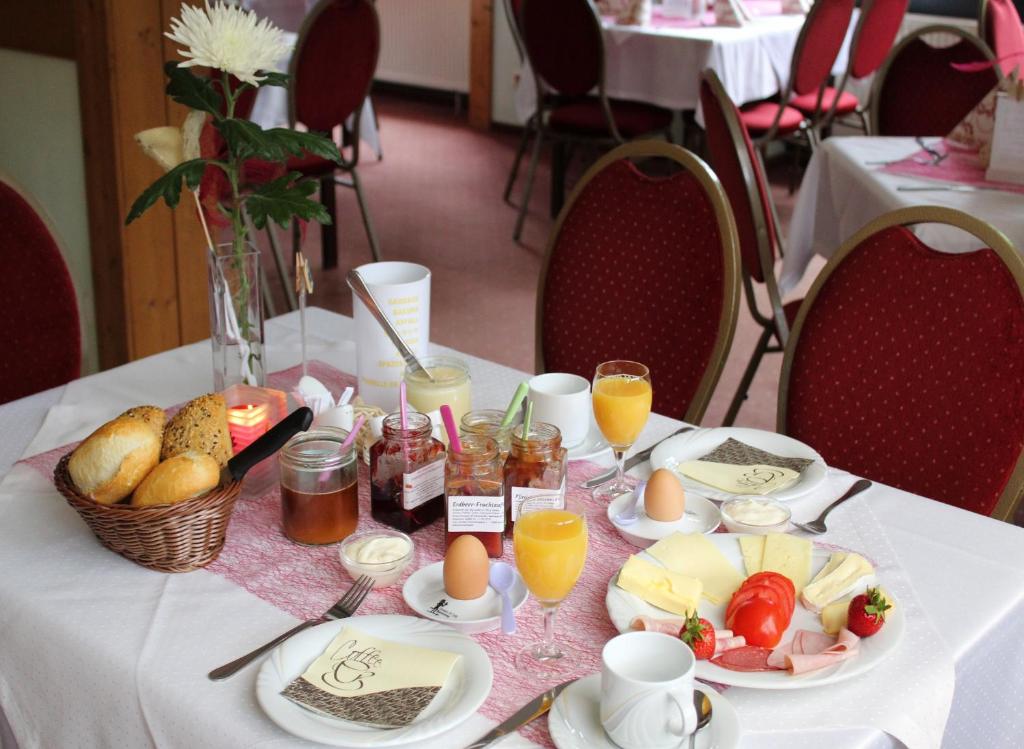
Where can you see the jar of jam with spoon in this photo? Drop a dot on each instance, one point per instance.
(487, 422)
(407, 473)
(319, 487)
(474, 493)
(535, 469)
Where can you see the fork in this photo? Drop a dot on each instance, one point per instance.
(937, 155)
(343, 609)
(817, 526)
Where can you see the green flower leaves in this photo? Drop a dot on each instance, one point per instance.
(168, 187)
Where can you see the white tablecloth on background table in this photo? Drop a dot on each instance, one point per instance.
(97, 651)
(841, 192)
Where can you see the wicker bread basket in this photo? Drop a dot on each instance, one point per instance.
(168, 538)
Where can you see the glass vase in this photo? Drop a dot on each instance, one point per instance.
(236, 318)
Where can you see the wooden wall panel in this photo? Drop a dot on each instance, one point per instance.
(46, 27)
(481, 60)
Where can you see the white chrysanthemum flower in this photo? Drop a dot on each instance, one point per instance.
(228, 38)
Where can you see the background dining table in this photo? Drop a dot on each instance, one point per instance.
(97, 651)
(846, 185)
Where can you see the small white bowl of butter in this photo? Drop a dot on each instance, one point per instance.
(758, 516)
(381, 554)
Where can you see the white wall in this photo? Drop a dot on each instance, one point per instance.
(505, 70)
(41, 150)
(425, 43)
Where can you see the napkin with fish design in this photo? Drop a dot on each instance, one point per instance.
(371, 681)
(739, 468)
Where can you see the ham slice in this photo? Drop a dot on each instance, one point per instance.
(668, 626)
(746, 658)
(810, 651)
(723, 644)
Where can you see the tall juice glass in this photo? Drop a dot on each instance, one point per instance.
(622, 403)
(550, 549)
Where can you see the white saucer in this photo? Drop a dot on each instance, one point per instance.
(701, 516)
(593, 445)
(424, 593)
(575, 719)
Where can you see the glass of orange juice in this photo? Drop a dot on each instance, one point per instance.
(622, 403)
(550, 545)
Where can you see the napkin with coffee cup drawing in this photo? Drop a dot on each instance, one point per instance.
(738, 468)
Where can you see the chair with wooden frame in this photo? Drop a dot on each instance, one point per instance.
(511, 8)
(999, 25)
(737, 165)
(905, 364)
(564, 43)
(917, 91)
(39, 324)
(644, 268)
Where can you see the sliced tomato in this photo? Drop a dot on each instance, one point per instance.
(777, 576)
(771, 594)
(760, 622)
(778, 582)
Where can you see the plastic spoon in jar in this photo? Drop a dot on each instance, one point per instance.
(454, 443)
(326, 476)
(502, 578)
(403, 404)
(514, 404)
(527, 419)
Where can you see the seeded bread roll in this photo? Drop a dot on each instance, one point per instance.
(200, 426)
(154, 417)
(111, 462)
(176, 479)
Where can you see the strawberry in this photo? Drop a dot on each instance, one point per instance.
(699, 634)
(867, 613)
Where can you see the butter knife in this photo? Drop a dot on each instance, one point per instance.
(631, 462)
(530, 711)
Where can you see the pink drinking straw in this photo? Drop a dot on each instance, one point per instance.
(449, 426)
(352, 434)
(403, 405)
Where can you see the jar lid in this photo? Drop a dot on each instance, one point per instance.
(318, 448)
(445, 370)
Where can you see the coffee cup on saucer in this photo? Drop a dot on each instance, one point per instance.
(563, 400)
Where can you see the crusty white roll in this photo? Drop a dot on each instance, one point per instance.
(151, 415)
(111, 462)
(179, 478)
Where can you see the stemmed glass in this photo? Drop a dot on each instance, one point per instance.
(622, 403)
(550, 549)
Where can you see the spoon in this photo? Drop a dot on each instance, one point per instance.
(502, 578)
(702, 705)
(632, 512)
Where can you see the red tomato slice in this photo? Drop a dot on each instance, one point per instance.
(760, 622)
(772, 595)
(778, 583)
(778, 577)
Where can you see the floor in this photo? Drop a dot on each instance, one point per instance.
(435, 199)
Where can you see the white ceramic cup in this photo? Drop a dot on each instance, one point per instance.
(563, 400)
(647, 691)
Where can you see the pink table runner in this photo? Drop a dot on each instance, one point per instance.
(961, 167)
(660, 21)
(305, 581)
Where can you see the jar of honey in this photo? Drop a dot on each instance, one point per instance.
(407, 473)
(535, 469)
(319, 487)
(487, 422)
(474, 494)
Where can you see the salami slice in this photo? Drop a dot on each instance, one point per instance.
(747, 658)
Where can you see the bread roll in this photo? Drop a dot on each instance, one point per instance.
(112, 461)
(154, 417)
(179, 478)
(200, 426)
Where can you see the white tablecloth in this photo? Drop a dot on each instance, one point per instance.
(840, 193)
(99, 652)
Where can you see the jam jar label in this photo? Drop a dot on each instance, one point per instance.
(476, 514)
(552, 498)
(422, 485)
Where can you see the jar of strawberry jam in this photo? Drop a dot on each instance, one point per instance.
(474, 494)
(535, 469)
(407, 473)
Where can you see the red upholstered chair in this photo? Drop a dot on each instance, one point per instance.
(332, 70)
(917, 91)
(39, 325)
(1000, 26)
(644, 268)
(564, 42)
(737, 165)
(905, 364)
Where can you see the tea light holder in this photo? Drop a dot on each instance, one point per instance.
(252, 411)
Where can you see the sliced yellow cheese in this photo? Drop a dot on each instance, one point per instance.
(668, 590)
(752, 548)
(853, 572)
(789, 556)
(834, 616)
(695, 555)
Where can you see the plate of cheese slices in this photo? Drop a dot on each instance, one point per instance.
(779, 605)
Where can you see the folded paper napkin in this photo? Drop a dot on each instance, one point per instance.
(731, 13)
(371, 681)
(796, 7)
(738, 468)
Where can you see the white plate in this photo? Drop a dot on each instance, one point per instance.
(575, 719)
(623, 606)
(593, 445)
(466, 689)
(424, 593)
(698, 443)
(702, 516)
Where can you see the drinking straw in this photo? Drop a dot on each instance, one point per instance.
(527, 419)
(353, 433)
(449, 426)
(403, 405)
(514, 404)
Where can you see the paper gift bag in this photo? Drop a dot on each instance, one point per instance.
(731, 13)
(974, 132)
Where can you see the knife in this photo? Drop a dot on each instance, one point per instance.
(297, 421)
(530, 711)
(632, 462)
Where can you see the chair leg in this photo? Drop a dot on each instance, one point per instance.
(329, 232)
(512, 175)
(371, 234)
(528, 187)
(748, 377)
(559, 158)
(284, 276)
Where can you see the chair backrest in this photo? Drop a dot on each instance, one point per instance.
(644, 268)
(334, 62)
(817, 47)
(917, 91)
(876, 31)
(1000, 26)
(905, 365)
(39, 325)
(564, 42)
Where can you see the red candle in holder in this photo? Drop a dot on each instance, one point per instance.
(247, 423)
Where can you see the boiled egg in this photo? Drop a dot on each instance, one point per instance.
(664, 498)
(466, 568)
